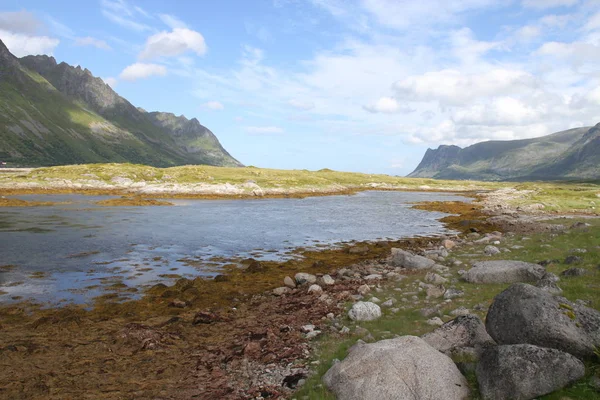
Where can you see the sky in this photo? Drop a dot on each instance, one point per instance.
(352, 85)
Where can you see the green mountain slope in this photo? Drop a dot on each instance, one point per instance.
(56, 114)
(571, 154)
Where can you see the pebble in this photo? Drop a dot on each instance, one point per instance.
(435, 321)
(315, 289)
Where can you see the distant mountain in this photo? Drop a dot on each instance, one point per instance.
(55, 114)
(571, 154)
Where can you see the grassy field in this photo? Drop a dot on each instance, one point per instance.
(409, 321)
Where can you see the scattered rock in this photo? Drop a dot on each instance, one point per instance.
(435, 291)
(524, 371)
(315, 289)
(548, 283)
(303, 277)
(206, 317)
(364, 311)
(373, 277)
(526, 314)
(435, 321)
(435, 278)
(448, 244)
(463, 331)
(358, 250)
(404, 259)
(580, 225)
(504, 271)
(281, 291)
(363, 289)
(374, 300)
(255, 267)
(178, 303)
(573, 260)
(545, 263)
(460, 311)
(453, 293)
(289, 282)
(401, 368)
(327, 280)
(571, 272)
(491, 250)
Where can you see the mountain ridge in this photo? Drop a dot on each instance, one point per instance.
(566, 155)
(55, 114)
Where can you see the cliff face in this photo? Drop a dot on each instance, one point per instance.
(571, 154)
(53, 113)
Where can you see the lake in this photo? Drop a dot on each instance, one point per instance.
(70, 252)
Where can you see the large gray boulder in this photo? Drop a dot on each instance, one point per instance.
(401, 368)
(467, 331)
(526, 314)
(404, 259)
(504, 271)
(364, 311)
(524, 371)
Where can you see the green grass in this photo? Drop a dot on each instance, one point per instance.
(562, 196)
(409, 322)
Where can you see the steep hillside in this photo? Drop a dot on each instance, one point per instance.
(571, 154)
(56, 114)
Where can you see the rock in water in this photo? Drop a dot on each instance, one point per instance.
(461, 332)
(401, 368)
(364, 311)
(527, 314)
(524, 371)
(504, 271)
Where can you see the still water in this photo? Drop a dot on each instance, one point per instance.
(73, 252)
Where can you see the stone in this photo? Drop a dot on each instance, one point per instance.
(460, 311)
(453, 293)
(405, 259)
(178, 303)
(573, 260)
(548, 283)
(307, 328)
(363, 289)
(312, 334)
(374, 300)
(526, 314)
(289, 282)
(429, 311)
(435, 321)
(491, 250)
(327, 280)
(435, 278)
(504, 271)
(373, 277)
(388, 303)
(571, 272)
(402, 368)
(280, 291)
(303, 277)
(467, 331)
(435, 291)
(316, 289)
(448, 244)
(345, 330)
(364, 311)
(524, 371)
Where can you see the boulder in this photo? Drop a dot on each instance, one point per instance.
(548, 283)
(316, 289)
(402, 368)
(448, 244)
(435, 279)
(358, 250)
(453, 293)
(281, 291)
(405, 259)
(364, 311)
(491, 250)
(289, 282)
(303, 277)
(504, 271)
(461, 332)
(573, 272)
(435, 291)
(326, 280)
(527, 314)
(524, 371)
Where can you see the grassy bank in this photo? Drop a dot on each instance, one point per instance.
(408, 320)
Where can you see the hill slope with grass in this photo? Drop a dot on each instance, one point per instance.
(55, 114)
(571, 154)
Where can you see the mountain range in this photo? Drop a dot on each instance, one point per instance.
(54, 114)
(573, 154)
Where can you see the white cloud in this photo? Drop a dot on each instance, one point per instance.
(19, 22)
(263, 130)
(593, 23)
(214, 105)
(169, 44)
(121, 13)
(500, 111)
(544, 4)
(452, 87)
(90, 41)
(301, 104)
(22, 45)
(387, 105)
(172, 21)
(110, 81)
(528, 32)
(576, 52)
(140, 71)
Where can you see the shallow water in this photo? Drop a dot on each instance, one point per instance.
(73, 252)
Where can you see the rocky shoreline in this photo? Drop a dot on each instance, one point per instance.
(264, 343)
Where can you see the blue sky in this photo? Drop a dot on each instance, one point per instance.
(355, 85)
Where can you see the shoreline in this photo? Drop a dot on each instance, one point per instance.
(191, 329)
